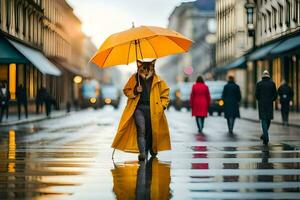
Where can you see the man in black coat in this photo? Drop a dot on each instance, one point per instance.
(22, 100)
(231, 96)
(286, 94)
(266, 94)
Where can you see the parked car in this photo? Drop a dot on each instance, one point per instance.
(181, 95)
(110, 95)
(216, 90)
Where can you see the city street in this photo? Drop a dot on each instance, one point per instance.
(70, 158)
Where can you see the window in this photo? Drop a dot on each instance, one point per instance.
(12, 81)
(24, 21)
(8, 14)
(288, 13)
(265, 22)
(17, 17)
(269, 21)
(0, 12)
(274, 13)
(280, 15)
(296, 10)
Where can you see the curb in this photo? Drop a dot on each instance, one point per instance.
(27, 121)
(274, 122)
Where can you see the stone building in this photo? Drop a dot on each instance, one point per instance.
(274, 27)
(195, 20)
(42, 44)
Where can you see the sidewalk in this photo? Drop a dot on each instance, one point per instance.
(252, 115)
(32, 117)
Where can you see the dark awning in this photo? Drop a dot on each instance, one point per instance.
(262, 52)
(37, 59)
(237, 63)
(9, 54)
(287, 45)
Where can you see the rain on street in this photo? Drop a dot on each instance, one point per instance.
(70, 158)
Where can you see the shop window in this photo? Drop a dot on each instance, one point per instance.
(31, 83)
(21, 74)
(3, 72)
(12, 81)
(288, 13)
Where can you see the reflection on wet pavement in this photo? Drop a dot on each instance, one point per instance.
(72, 160)
(142, 180)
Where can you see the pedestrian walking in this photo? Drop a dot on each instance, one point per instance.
(266, 94)
(286, 94)
(232, 97)
(40, 99)
(143, 126)
(22, 100)
(48, 102)
(199, 102)
(4, 100)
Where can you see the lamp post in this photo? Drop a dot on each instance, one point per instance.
(250, 9)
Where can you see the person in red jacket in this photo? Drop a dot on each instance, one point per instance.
(200, 101)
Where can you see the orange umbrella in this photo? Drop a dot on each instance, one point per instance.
(139, 43)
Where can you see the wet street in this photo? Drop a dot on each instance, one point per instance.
(70, 158)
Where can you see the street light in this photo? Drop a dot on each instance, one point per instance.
(250, 18)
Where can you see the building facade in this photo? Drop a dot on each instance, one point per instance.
(232, 38)
(42, 45)
(195, 20)
(274, 44)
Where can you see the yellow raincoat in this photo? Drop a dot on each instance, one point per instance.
(126, 137)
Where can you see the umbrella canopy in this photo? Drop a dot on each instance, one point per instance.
(139, 43)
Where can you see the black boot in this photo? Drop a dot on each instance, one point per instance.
(142, 148)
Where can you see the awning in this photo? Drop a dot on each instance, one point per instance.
(237, 63)
(62, 64)
(8, 54)
(287, 45)
(262, 52)
(37, 59)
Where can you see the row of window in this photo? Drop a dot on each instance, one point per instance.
(280, 15)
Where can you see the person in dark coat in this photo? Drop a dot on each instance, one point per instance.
(40, 98)
(266, 94)
(286, 94)
(231, 96)
(22, 100)
(4, 100)
(48, 102)
(200, 101)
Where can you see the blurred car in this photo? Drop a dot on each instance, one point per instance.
(90, 94)
(180, 95)
(110, 95)
(216, 90)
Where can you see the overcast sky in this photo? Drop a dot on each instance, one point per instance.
(101, 18)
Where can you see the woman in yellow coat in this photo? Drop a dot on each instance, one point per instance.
(143, 125)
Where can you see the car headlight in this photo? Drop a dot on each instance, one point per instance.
(107, 100)
(221, 103)
(93, 100)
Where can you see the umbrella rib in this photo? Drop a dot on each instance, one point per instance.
(176, 44)
(107, 56)
(152, 47)
(128, 53)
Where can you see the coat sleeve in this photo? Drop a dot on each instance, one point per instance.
(164, 94)
(257, 92)
(224, 92)
(239, 96)
(274, 92)
(192, 97)
(129, 88)
(208, 97)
